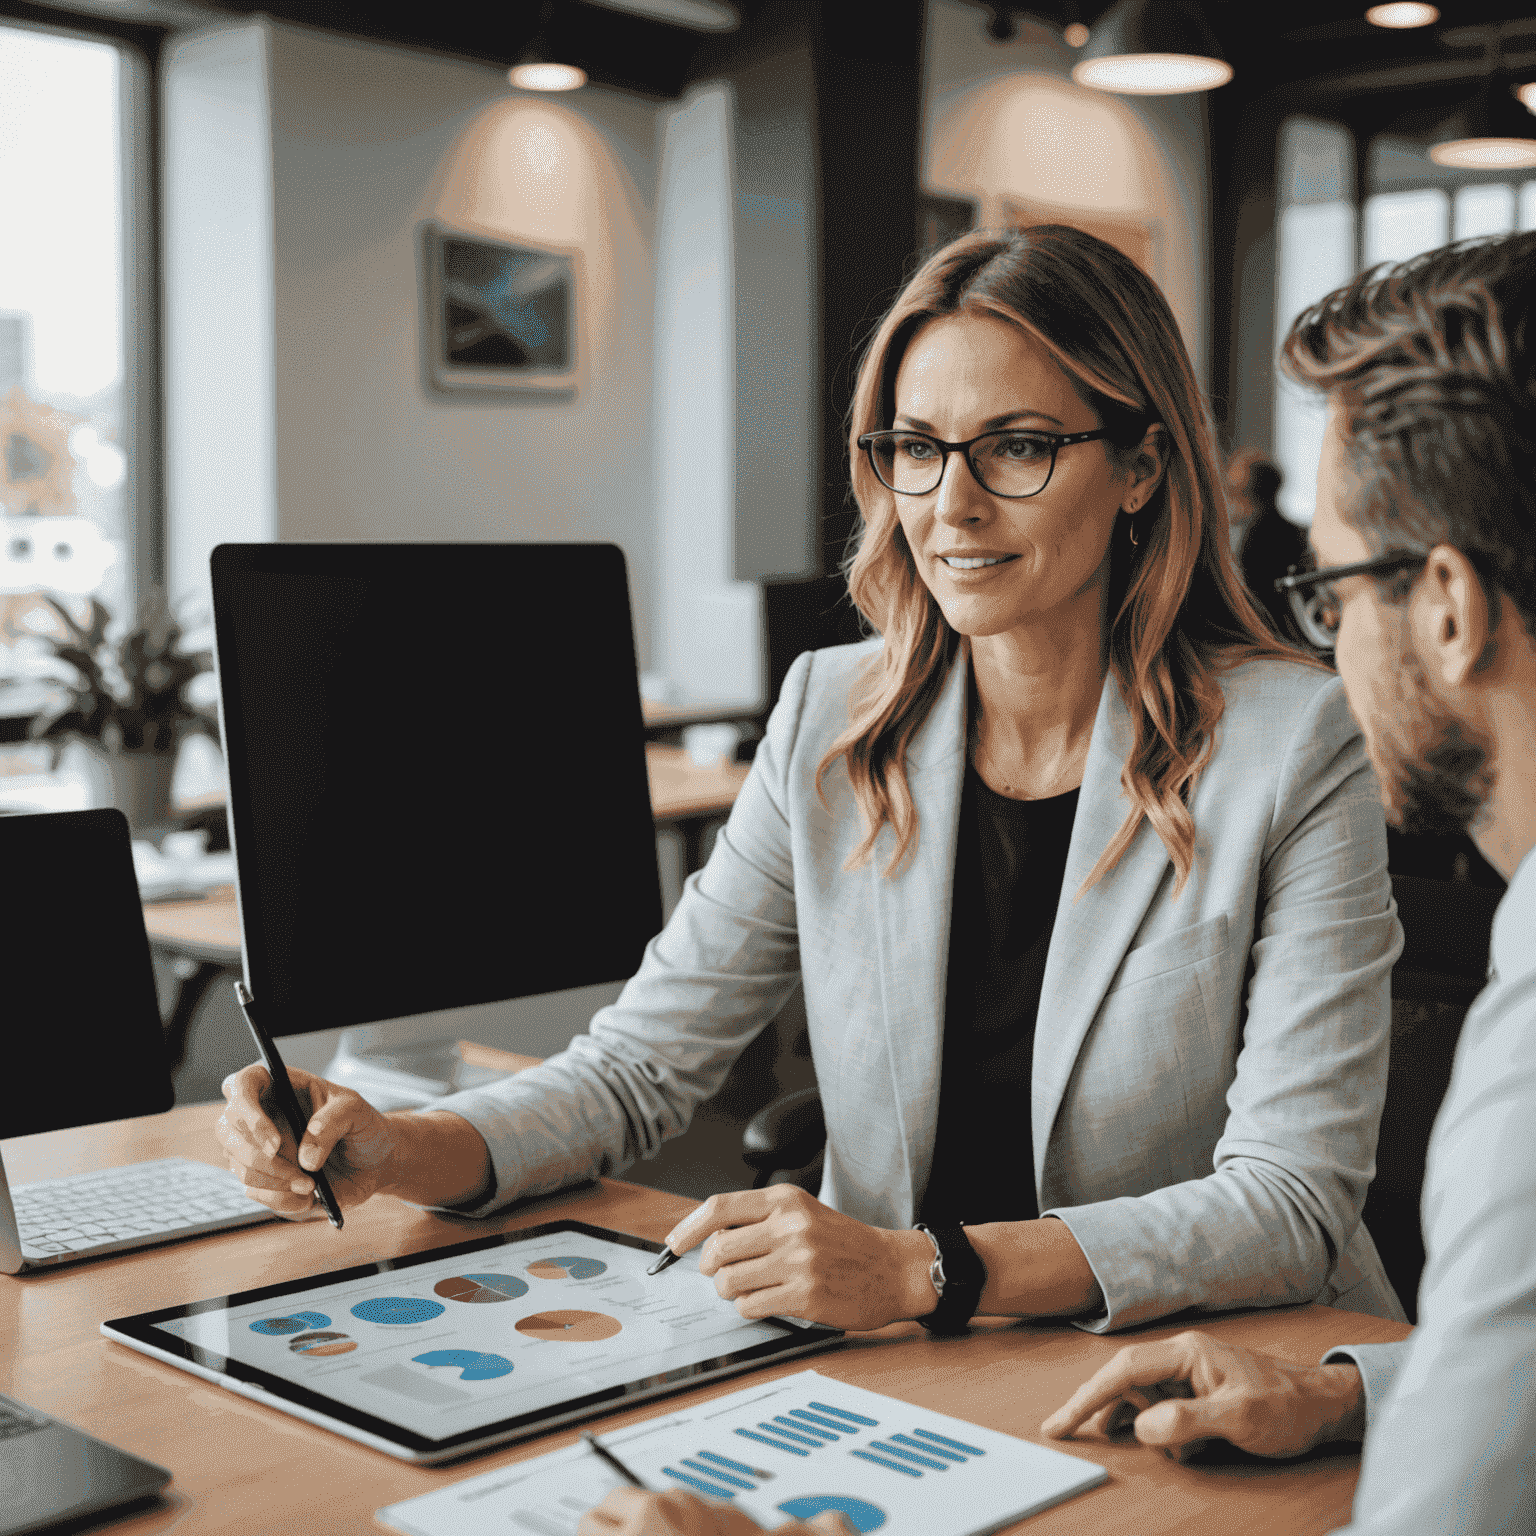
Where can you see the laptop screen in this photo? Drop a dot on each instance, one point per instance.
(79, 1021)
(438, 793)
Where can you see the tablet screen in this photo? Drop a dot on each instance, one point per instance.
(449, 1344)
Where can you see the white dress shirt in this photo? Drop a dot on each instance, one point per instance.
(1451, 1412)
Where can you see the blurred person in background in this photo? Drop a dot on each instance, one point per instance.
(1265, 543)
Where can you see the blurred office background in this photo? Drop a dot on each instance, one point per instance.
(216, 313)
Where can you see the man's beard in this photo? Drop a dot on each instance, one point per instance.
(1434, 768)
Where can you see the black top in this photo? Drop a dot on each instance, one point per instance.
(1009, 866)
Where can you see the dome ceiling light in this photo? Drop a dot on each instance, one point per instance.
(1403, 14)
(537, 70)
(541, 75)
(1493, 131)
(1152, 48)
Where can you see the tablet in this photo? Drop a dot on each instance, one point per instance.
(445, 1353)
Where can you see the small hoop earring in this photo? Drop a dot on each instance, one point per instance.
(1134, 541)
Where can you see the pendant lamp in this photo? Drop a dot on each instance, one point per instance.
(1491, 131)
(1152, 48)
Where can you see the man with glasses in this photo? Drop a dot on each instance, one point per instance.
(1425, 538)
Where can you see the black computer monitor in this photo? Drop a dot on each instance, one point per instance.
(437, 781)
(80, 1040)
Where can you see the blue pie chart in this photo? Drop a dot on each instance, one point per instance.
(298, 1322)
(398, 1310)
(859, 1513)
(473, 1365)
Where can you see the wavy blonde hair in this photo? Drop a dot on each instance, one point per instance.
(1179, 611)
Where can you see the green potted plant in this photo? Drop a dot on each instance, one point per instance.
(126, 703)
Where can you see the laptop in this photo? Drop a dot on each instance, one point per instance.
(82, 1042)
(52, 1474)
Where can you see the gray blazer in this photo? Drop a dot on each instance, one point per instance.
(1208, 1069)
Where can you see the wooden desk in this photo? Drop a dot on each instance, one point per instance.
(241, 1467)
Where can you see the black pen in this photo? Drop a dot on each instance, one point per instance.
(666, 1261)
(287, 1100)
(612, 1460)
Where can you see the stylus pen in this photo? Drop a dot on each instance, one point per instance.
(613, 1461)
(287, 1100)
(666, 1260)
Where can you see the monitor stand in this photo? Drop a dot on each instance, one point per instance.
(402, 1074)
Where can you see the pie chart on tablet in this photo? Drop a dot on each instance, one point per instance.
(323, 1344)
(481, 1288)
(569, 1327)
(567, 1269)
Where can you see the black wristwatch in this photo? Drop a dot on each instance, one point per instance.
(958, 1276)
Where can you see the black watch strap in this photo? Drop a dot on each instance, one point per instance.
(958, 1275)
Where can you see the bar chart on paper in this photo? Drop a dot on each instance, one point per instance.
(789, 1449)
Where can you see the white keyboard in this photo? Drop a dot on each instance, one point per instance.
(87, 1214)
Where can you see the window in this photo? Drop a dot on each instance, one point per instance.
(68, 374)
(1325, 235)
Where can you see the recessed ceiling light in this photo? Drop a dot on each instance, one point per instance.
(547, 77)
(1152, 74)
(1527, 95)
(1075, 35)
(1403, 14)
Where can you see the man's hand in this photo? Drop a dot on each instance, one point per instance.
(1182, 1393)
(631, 1512)
(345, 1135)
(781, 1252)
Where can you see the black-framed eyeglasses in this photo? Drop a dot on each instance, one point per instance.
(1315, 601)
(1011, 463)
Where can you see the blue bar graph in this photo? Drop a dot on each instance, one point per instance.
(930, 1450)
(843, 1413)
(736, 1466)
(713, 1490)
(886, 1448)
(778, 1445)
(789, 1434)
(954, 1445)
(806, 1414)
(724, 1477)
(892, 1466)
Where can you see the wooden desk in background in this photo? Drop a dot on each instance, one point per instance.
(241, 1467)
(201, 939)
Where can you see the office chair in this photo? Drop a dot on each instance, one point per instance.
(1447, 927)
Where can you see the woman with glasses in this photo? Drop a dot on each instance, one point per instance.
(1082, 872)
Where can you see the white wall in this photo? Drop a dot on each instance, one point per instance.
(1006, 121)
(219, 471)
(345, 148)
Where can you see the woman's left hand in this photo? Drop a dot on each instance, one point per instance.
(779, 1252)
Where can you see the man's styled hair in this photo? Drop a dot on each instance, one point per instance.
(1430, 363)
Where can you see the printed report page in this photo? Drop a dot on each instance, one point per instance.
(446, 1347)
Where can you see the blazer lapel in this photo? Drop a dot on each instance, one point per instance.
(912, 912)
(1092, 932)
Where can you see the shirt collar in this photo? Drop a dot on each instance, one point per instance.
(1514, 924)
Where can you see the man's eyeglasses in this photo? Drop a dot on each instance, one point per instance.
(1009, 463)
(1315, 601)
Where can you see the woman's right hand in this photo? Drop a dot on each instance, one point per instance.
(631, 1512)
(345, 1135)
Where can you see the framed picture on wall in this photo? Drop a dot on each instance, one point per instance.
(500, 317)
